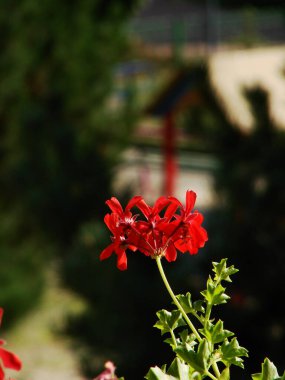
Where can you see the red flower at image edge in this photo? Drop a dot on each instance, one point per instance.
(164, 228)
(7, 358)
(108, 373)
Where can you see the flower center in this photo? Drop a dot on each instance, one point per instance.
(159, 252)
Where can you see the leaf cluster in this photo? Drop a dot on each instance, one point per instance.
(199, 348)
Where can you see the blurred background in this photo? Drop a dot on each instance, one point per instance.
(124, 97)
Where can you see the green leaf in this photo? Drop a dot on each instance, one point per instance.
(186, 339)
(216, 333)
(185, 302)
(168, 321)
(214, 294)
(155, 373)
(231, 353)
(179, 370)
(225, 375)
(222, 272)
(198, 306)
(268, 372)
(188, 306)
(171, 343)
(197, 360)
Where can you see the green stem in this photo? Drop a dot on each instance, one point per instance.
(190, 324)
(173, 338)
(216, 369)
(211, 376)
(207, 318)
(172, 295)
(208, 312)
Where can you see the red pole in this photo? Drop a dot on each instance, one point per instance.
(170, 165)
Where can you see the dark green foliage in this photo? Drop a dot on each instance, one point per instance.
(59, 140)
(60, 145)
(21, 267)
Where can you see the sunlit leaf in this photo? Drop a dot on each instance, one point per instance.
(179, 370)
(185, 302)
(222, 272)
(215, 332)
(231, 353)
(155, 373)
(169, 320)
(215, 294)
(198, 360)
(268, 372)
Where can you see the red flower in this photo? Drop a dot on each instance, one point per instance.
(154, 242)
(120, 223)
(190, 236)
(119, 244)
(125, 217)
(8, 359)
(152, 213)
(108, 373)
(166, 227)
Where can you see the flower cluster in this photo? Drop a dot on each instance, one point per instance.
(7, 358)
(166, 227)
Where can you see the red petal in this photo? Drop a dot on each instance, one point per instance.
(168, 228)
(171, 253)
(199, 234)
(145, 209)
(181, 245)
(133, 202)
(1, 315)
(171, 209)
(122, 260)
(193, 250)
(10, 360)
(197, 217)
(111, 221)
(2, 374)
(190, 201)
(107, 221)
(143, 227)
(159, 205)
(115, 205)
(107, 252)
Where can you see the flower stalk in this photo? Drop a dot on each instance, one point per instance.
(172, 295)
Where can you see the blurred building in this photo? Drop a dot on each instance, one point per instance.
(233, 44)
(228, 74)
